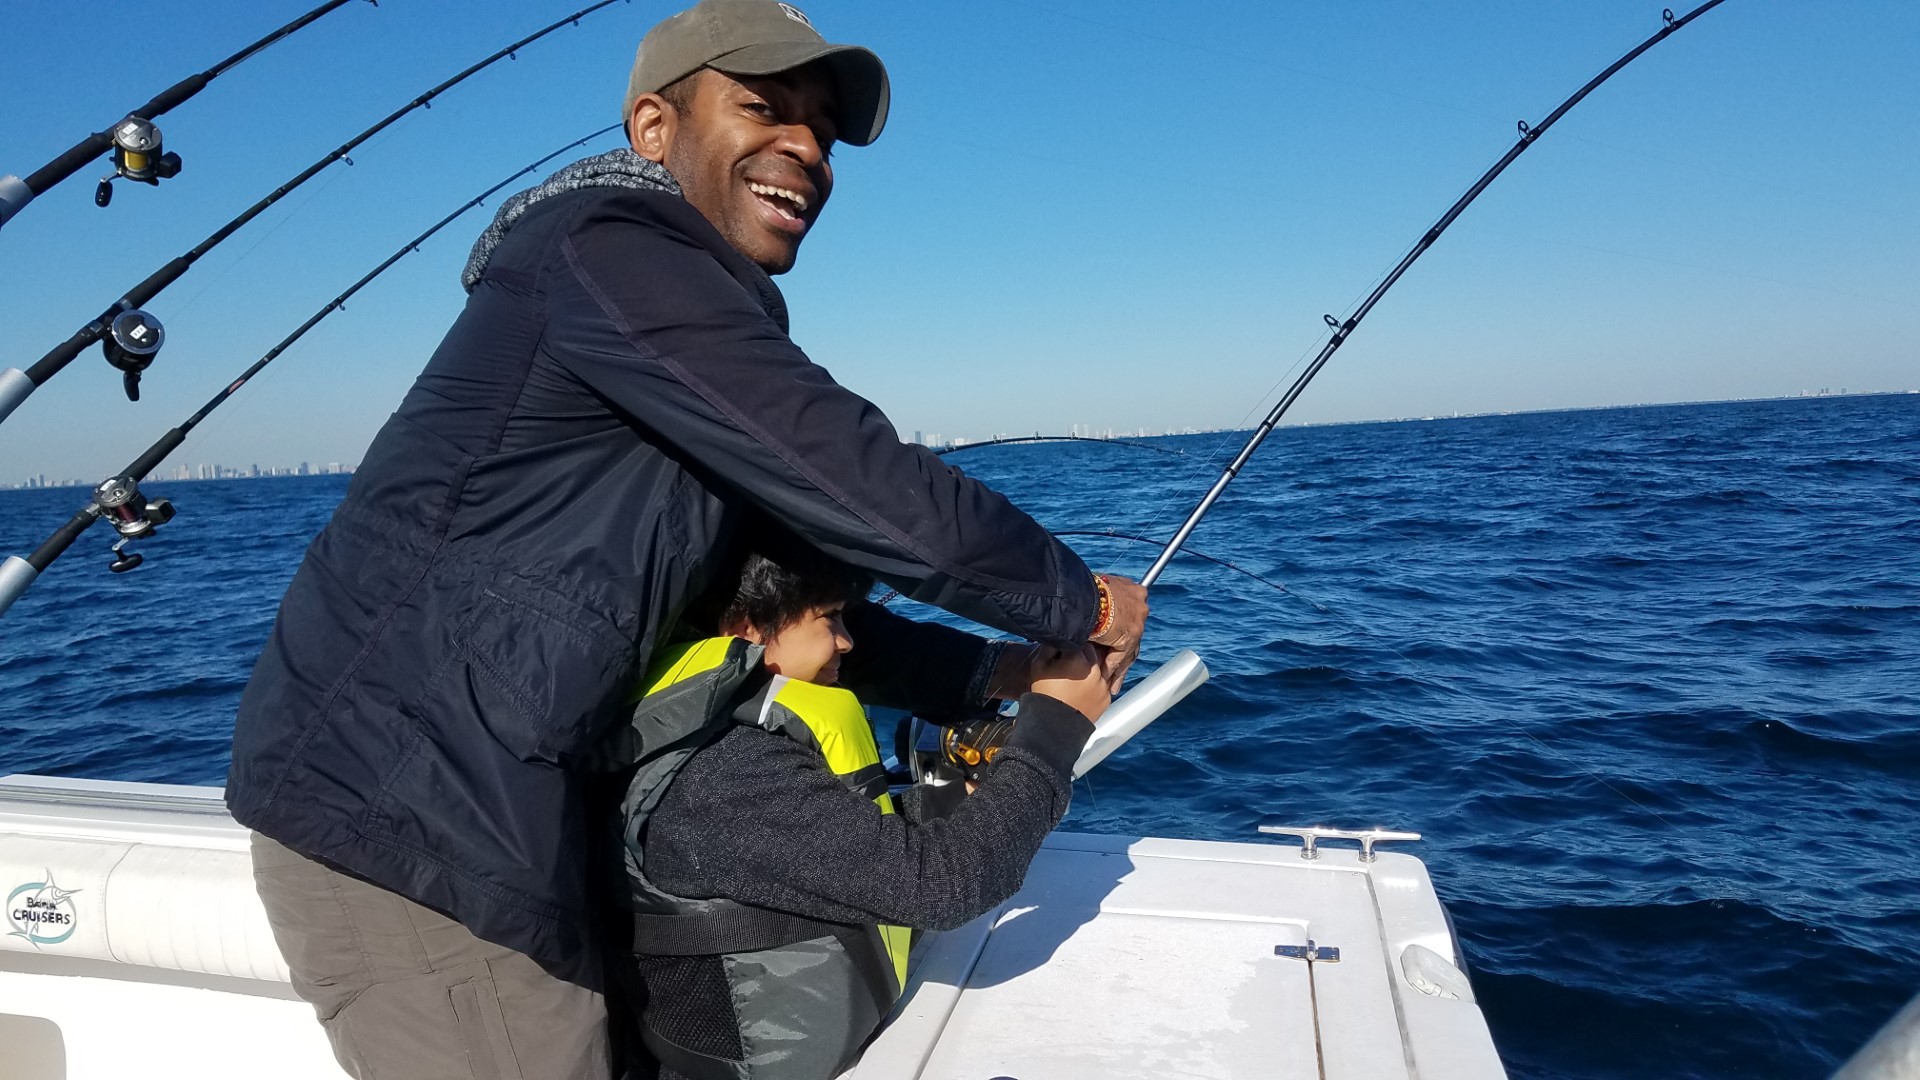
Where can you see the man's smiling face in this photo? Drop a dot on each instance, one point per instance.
(750, 152)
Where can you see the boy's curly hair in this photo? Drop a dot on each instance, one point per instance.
(770, 579)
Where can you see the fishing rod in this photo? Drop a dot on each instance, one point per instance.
(138, 153)
(1343, 329)
(131, 338)
(119, 499)
(1037, 438)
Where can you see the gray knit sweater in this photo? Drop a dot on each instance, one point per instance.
(756, 817)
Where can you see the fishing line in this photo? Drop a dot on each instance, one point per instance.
(138, 153)
(1431, 672)
(1342, 329)
(132, 338)
(1220, 446)
(321, 189)
(1156, 448)
(221, 274)
(1116, 534)
(119, 499)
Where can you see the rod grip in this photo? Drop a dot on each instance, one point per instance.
(56, 545)
(63, 354)
(71, 162)
(172, 96)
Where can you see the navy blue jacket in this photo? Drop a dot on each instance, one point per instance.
(618, 391)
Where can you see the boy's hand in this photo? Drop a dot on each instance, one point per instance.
(1072, 677)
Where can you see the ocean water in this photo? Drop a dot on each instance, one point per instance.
(1647, 679)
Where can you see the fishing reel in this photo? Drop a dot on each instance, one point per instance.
(969, 748)
(138, 156)
(131, 342)
(943, 755)
(131, 514)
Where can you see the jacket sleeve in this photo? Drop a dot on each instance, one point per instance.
(643, 311)
(758, 818)
(925, 668)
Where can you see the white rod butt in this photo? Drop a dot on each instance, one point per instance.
(1141, 706)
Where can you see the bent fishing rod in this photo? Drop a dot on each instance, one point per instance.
(1342, 329)
(1021, 440)
(119, 499)
(131, 338)
(138, 152)
(1185, 670)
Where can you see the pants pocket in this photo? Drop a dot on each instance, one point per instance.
(483, 1027)
(444, 1026)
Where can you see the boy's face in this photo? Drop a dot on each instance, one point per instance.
(809, 648)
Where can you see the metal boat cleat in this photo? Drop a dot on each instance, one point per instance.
(1310, 835)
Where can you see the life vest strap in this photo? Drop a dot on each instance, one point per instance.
(870, 782)
(725, 927)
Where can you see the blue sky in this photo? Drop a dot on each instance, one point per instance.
(1119, 214)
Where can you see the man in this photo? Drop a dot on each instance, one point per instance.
(618, 392)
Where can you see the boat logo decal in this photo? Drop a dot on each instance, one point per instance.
(42, 912)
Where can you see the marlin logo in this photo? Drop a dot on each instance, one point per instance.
(41, 912)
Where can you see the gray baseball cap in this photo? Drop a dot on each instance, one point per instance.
(760, 37)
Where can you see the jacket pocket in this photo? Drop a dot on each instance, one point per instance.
(535, 669)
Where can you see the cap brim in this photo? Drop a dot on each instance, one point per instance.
(859, 76)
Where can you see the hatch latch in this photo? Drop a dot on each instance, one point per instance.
(1311, 952)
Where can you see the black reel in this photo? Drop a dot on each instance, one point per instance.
(138, 156)
(131, 514)
(962, 752)
(131, 342)
(971, 747)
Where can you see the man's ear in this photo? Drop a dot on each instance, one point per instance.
(744, 629)
(651, 127)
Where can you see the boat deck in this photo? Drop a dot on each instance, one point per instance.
(1126, 957)
(1122, 957)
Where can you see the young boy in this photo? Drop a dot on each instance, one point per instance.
(771, 876)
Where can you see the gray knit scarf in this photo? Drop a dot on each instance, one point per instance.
(615, 168)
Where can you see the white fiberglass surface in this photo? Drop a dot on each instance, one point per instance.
(1116, 963)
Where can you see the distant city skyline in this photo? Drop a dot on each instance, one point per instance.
(199, 471)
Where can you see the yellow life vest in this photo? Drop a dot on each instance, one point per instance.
(832, 721)
(850, 975)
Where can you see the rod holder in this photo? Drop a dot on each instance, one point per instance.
(15, 387)
(14, 196)
(16, 575)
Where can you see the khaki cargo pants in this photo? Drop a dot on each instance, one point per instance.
(406, 993)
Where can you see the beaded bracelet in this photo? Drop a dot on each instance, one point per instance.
(1104, 621)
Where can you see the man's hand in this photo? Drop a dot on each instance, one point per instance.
(1120, 641)
(1074, 678)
